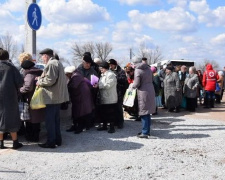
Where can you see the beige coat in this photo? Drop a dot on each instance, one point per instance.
(220, 82)
(54, 83)
(107, 88)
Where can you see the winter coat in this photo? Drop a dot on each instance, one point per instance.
(210, 78)
(107, 88)
(27, 91)
(190, 86)
(80, 96)
(122, 83)
(173, 97)
(143, 81)
(220, 82)
(54, 83)
(87, 72)
(156, 83)
(10, 82)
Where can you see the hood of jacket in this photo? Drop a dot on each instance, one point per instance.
(141, 66)
(209, 67)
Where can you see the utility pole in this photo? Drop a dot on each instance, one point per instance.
(30, 34)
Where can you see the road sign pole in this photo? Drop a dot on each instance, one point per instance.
(30, 35)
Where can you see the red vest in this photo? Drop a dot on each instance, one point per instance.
(211, 78)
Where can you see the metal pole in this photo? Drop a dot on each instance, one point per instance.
(30, 35)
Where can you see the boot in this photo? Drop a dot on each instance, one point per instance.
(2, 144)
(206, 103)
(111, 128)
(17, 145)
(212, 101)
(36, 131)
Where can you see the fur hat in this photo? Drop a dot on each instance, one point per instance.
(27, 64)
(87, 59)
(112, 61)
(104, 65)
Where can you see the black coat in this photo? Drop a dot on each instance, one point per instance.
(122, 83)
(10, 82)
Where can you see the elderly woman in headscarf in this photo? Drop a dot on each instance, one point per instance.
(29, 72)
(172, 90)
(81, 99)
(11, 81)
(143, 82)
(219, 88)
(190, 89)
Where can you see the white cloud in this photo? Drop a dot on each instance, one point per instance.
(14, 6)
(214, 17)
(58, 31)
(219, 40)
(135, 2)
(73, 11)
(174, 20)
(180, 3)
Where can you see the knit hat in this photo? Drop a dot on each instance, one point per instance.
(153, 69)
(104, 65)
(112, 61)
(87, 53)
(87, 59)
(69, 69)
(27, 64)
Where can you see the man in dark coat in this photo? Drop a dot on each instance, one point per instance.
(122, 85)
(10, 82)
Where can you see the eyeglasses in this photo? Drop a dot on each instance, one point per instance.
(128, 71)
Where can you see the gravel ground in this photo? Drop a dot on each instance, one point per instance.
(180, 148)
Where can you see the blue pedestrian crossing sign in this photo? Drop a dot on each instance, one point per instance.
(34, 16)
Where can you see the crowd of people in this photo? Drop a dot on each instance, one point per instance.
(98, 102)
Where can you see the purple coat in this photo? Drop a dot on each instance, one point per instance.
(80, 96)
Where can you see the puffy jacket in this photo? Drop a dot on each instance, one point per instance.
(210, 77)
(107, 88)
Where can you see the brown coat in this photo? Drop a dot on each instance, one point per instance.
(27, 92)
(143, 81)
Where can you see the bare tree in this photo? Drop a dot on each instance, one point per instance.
(7, 42)
(103, 50)
(78, 50)
(202, 65)
(153, 55)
